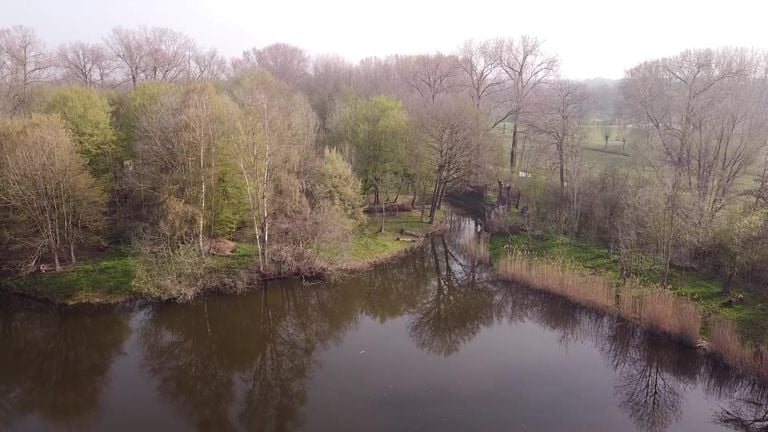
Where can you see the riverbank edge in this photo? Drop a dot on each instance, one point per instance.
(702, 345)
(746, 355)
(232, 284)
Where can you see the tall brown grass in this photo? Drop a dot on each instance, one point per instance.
(592, 290)
(653, 307)
(724, 341)
(476, 246)
(661, 310)
(656, 308)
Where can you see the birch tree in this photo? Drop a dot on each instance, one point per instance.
(277, 130)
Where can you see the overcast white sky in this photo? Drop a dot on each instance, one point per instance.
(594, 38)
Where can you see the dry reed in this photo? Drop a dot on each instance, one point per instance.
(661, 310)
(476, 246)
(656, 308)
(653, 307)
(724, 341)
(592, 290)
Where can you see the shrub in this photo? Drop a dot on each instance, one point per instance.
(177, 275)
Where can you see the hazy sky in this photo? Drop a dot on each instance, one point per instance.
(594, 38)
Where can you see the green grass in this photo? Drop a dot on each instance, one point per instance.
(108, 278)
(104, 279)
(245, 256)
(751, 314)
(368, 244)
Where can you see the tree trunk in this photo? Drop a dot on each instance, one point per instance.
(383, 212)
(441, 195)
(56, 263)
(201, 218)
(513, 152)
(433, 205)
(728, 284)
(561, 159)
(399, 187)
(72, 259)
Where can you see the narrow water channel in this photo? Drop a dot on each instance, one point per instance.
(427, 343)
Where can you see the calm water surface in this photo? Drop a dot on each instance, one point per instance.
(428, 343)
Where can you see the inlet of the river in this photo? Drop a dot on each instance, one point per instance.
(430, 342)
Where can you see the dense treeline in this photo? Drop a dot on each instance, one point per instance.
(148, 141)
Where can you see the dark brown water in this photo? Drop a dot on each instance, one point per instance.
(429, 343)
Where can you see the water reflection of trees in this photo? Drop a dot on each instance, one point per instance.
(652, 374)
(251, 356)
(456, 307)
(54, 363)
(743, 398)
(396, 289)
(244, 363)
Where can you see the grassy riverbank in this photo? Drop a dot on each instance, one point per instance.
(692, 307)
(748, 309)
(109, 277)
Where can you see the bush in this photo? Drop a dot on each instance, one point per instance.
(170, 275)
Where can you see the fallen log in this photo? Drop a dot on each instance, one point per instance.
(409, 233)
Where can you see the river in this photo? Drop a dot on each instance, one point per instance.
(430, 342)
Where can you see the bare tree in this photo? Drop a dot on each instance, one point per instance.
(87, 64)
(451, 133)
(277, 131)
(376, 76)
(330, 76)
(168, 54)
(479, 66)
(206, 65)
(23, 62)
(561, 117)
(286, 62)
(178, 136)
(704, 113)
(526, 67)
(130, 51)
(428, 75)
(155, 54)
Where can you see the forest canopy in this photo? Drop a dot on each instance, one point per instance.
(147, 141)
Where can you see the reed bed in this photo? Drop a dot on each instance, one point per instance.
(476, 246)
(661, 310)
(654, 307)
(592, 290)
(724, 341)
